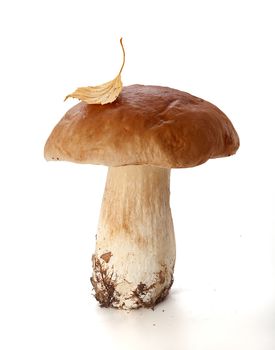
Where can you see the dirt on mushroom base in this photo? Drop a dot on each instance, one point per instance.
(142, 290)
(105, 282)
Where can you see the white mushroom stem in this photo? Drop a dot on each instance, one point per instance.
(135, 248)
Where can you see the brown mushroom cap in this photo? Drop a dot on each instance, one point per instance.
(151, 125)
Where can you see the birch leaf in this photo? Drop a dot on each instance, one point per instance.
(101, 94)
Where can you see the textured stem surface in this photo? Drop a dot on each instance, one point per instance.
(135, 249)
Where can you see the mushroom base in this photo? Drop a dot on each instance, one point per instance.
(135, 249)
(106, 293)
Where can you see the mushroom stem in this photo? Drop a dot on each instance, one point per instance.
(135, 248)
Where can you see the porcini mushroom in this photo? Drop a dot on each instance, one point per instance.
(144, 133)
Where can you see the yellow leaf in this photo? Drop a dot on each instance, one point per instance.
(101, 94)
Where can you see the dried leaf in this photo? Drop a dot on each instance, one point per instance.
(101, 94)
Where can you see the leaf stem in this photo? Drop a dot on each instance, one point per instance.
(123, 51)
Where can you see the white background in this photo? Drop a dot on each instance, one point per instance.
(223, 297)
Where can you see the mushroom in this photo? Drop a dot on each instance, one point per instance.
(142, 135)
